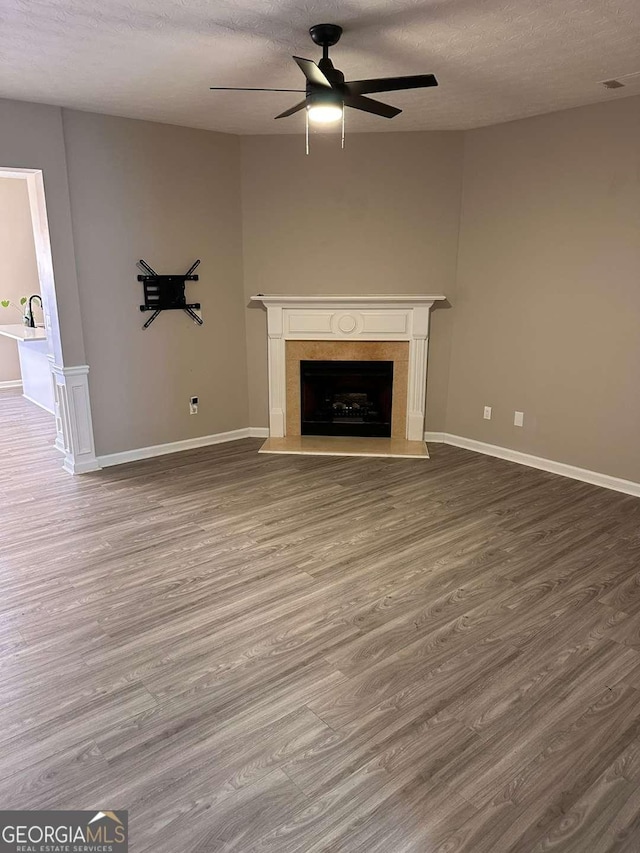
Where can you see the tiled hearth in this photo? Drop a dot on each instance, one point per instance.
(328, 445)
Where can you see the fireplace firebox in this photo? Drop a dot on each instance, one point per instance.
(346, 398)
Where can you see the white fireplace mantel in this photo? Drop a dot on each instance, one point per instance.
(343, 318)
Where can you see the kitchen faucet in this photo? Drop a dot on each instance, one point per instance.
(29, 318)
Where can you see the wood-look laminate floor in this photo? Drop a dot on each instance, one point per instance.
(301, 654)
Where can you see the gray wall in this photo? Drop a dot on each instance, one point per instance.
(547, 310)
(379, 217)
(543, 276)
(168, 195)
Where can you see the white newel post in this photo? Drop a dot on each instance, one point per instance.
(74, 430)
(344, 318)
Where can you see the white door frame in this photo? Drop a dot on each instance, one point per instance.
(74, 428)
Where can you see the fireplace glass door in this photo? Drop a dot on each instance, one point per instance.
(346, 397)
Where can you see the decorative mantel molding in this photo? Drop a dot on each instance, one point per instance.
(361, 318)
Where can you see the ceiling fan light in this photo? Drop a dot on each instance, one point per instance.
(324, 113)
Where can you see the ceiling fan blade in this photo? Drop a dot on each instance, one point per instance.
(312, 72)
(247, 89)
(390, 84)
(368, 105)
(292, 110)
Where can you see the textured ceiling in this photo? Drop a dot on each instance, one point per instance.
(155, 59)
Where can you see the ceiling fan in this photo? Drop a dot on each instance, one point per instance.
(327, 92)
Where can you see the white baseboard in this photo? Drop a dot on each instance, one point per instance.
(71, 466)
(173, 447)
(628, 487)
(11, 383)
(618, 484)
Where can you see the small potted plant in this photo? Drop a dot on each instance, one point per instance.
(7, 303)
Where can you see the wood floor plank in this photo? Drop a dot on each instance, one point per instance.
(485, 768)
(604, 819)
(392, 733)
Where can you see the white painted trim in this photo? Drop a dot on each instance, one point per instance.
(74, 427)
(332, 299)
(76, 370)
(348, 318)
(174, 447)
(417, 385)
(72, 410)
(11, 383)
(582, 474)
(595, 478)
(42, 243)
(72, 466)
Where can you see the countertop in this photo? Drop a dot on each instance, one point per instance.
(23, 333)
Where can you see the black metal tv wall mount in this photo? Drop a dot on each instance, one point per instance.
(166, 292)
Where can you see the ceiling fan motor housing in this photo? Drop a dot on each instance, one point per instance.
(321, 97)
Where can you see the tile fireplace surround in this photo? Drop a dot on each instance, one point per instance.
(342, 327)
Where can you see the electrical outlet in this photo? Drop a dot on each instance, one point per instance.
(487, 413)
(193, 406)
(518, 419)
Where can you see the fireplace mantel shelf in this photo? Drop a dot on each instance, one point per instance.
(341, 299)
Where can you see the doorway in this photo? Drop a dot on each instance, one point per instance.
(30, 343)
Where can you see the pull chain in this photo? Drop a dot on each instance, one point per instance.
(306, 112)
(306, 131)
